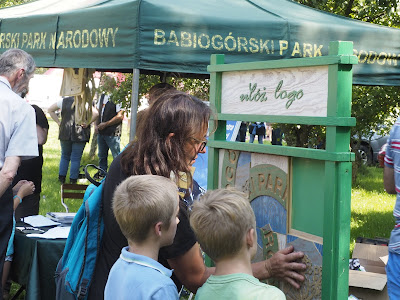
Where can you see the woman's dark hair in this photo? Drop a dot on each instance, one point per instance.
(153, 152)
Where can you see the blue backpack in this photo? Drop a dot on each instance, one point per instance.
(76, 267)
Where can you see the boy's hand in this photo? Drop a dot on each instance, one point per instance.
(283, 265)
(26, 189)
(18, 186)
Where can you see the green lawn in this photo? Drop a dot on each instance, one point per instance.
(371, 207)
(51, 152)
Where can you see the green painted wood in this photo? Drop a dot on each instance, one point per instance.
(323, 121)
(218, 133)
(344, 203)
(284, 63)
(337, 181)
(317, 154)
(329, 261)
(307, 195)
(326, 173)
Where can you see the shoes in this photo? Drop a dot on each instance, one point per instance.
(98, 176)
(61, 179)
(73, 180)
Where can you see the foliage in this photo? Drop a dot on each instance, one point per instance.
(374, 107)
(382, 12)
(7, 3)
(120, 87)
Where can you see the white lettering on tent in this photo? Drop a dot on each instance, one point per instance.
(231, 43)
(99, 37)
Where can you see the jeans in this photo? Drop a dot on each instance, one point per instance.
(393, 277)
(71, 151)
(260, 138)
(104, 143)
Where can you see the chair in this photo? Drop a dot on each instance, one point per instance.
(72, 191)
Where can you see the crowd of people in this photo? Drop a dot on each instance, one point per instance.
(156, 220)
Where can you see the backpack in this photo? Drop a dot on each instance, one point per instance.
(76, 267)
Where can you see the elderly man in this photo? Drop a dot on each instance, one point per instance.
(18, 138)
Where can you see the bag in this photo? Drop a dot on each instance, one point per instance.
(76, 267)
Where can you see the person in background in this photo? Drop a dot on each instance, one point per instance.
(225, 226)
(241, 137)
(276, 136)
(176, 131)
(18, 138)
(108, 127)
(257, 128)
(73, 137)
(21, 190)
(391, 180)
(146, 208)
(31, 169)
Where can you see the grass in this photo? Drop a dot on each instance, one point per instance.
(371, 207)
(50, 196)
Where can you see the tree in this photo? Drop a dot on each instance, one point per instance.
(120, 88)
(8, 3)
(372, 106)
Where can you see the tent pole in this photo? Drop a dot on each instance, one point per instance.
(134, 103)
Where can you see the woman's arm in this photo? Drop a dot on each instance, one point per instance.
(52, 112)
(192, 273)
(190, 268)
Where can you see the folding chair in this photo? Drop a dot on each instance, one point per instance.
(72, 191)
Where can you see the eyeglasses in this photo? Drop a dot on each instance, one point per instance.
(203, 144)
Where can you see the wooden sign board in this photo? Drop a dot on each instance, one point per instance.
(301, 91)
(300, 196)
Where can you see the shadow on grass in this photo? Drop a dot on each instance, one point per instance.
(371, 225)
(370, 179)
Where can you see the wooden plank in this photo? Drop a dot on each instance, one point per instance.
(317, 154)
(284, 63)
(73, 195)
(306, 236)
(300, 91)
(73, 186)
(323, 121)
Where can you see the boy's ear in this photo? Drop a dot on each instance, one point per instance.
(157, 229)
(251, 237)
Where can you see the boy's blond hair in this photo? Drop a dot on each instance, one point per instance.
(220, 220)
(141, 201)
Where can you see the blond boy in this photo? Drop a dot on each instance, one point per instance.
(146, 208)
(224, 224)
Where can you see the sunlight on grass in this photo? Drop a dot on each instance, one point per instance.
(371, 207)
(50, 196)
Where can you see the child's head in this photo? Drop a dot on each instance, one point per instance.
(221, 219)
(143, 201)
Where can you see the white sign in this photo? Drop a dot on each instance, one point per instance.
(301, 91)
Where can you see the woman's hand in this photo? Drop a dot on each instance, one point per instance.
(283, 265)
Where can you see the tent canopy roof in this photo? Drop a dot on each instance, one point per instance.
(179, 36)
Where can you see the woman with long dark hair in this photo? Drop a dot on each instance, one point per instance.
(171, 134)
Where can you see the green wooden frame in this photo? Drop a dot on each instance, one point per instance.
(337, 156)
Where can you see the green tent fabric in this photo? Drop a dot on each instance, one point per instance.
(180, 35)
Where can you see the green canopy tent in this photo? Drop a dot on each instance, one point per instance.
(180, 35)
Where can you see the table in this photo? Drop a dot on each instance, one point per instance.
(35, 261)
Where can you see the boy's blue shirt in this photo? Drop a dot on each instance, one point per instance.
(135, 276)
